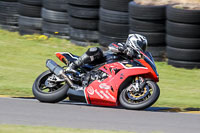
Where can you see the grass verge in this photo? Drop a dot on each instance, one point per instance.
(37, 129)
(22, 59)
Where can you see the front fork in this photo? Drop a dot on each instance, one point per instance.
(137, 85)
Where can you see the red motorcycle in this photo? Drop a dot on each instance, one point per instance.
(115, 80)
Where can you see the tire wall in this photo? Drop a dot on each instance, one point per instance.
(9, 13)
(55, 18)
(183, 37)
(171, 32)
(113, 23)
(150, 22)
(83, 21)
(30, 21)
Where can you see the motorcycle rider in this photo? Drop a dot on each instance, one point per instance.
(134, 43)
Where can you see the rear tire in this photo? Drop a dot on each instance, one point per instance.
(48, 97)
(142, 104)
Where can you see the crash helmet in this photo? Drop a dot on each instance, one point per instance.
(137, 42)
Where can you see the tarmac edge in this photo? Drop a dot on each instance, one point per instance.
(156, 109)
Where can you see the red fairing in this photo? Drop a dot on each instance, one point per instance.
(104, 93)
(151, 75)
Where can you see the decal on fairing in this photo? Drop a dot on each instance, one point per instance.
(105, 95)
(96, 91)
(129, 65)
(121, 76)
(110, 95)
(133, 67)
(90, 90)
(104, 86)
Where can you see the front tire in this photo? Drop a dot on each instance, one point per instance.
(49, 94)
(143, 103)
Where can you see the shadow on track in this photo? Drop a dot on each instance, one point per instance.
(151, 109)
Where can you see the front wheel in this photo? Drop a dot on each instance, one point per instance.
(46, 90)
(140, 100)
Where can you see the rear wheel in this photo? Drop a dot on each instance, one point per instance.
(46, 90)
(146, 97)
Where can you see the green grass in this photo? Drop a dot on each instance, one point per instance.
(22, 59)
(179, 87)
(37, 129)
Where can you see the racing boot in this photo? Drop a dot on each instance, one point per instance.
(88, 57)
(79, 62)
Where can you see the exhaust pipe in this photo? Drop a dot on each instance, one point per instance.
(58, 71)
(54, 68)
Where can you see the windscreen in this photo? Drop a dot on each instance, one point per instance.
(149, 59)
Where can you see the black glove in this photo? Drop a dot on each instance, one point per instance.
(130, 52)
(121, 49)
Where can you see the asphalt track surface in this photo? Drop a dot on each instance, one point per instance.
(69, 115)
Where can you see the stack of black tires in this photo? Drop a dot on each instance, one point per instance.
(55, 18)
(114, 23)
(9, 15)
(149, 20)
(30, 21)
(83, 21)
(183, 37)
